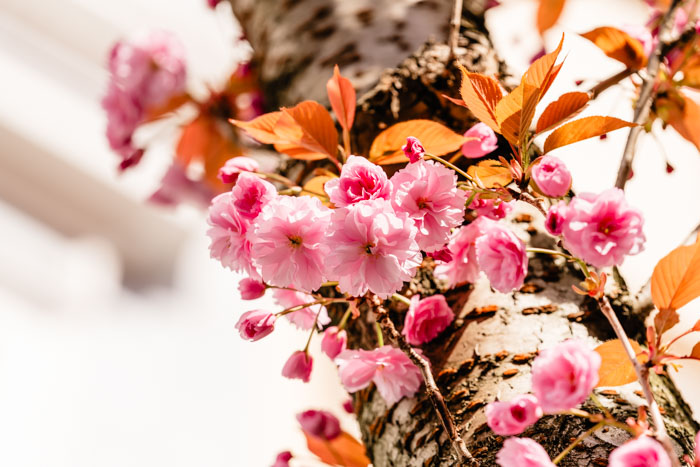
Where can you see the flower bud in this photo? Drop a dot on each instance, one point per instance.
(334, 341)
(298, 366)
(413, 149)
(512, 417)
(485, 141)
(233, 167)
(256, 324)
(251, 289)
(320, 424)
(551, 176)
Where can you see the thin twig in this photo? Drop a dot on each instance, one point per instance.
(642, 373)
(529, 199)
(596, 90)
(431, 388)
(646, 97)
(571, 446)
(455, 24)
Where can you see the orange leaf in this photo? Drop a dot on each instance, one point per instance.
(583, 128)
(686, 119)
(481, 94)
(542, 72)
(171, 105)
(565, 107)
(695, 353)
(261, 128)
(615, 367)
(691, 71)
(676, 278)
(436, 138)
(343, 450)
(548, 12)
(508, 113)
(491, 173)
(309, 125)
(664, 320)
(618, 45)
(341, 94)
(315, 187)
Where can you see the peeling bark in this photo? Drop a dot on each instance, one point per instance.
(486, 354)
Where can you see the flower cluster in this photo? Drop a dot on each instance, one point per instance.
(144, 74)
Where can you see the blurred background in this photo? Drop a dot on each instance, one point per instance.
(117, 339)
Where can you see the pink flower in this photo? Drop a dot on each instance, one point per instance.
(320, 424)
(123, 116)
(151, 67)
(512, 417)
(359, 180)
(564, 375)
(298, 366)
(502, 256)
(256, 324)
(251, 289)
(556, 217)
(697, 437)
(551, 176)
(373, 248)
(389, 368)
(428, 193)
(306, 317)
(251, 194)
(283, 457)
(413, 149)
(641, 452)
(602, 229)
(228, 234)
(234, 167)
(289, 245)
(176, 187)
(444, 255)
(426, 319)
(523, 452)
(485, 141)
(642, 34)
(348, 406)
(334, 341)
(464, 266)
(492, 208)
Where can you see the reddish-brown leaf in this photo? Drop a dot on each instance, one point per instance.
(261, 128)
(583, 128)
(344, 450)
(664, 320)
(676, 278)
(548, 12)
(618, 45)
(309, 125)
(172, 104)
(685, 119)
(341, 95)
(567, 106)
(491, 173)
(542, 72)
(615, 367)
(508, 115)
(481, 94)
(436, 138)
(695, 353)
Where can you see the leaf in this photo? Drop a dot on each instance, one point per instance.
(695, 353)
(664, 320)
(491, 173)
(315, 187)
(548, 12)
(583, 128)
(481, 94)
(508, 114)
(565, 107)
(436, 138)
(618, 45)
(341, 95)
(615, 367)
(261, 128)
(685, 119)
(171, 105)
(343, 450)
(310, 126)
(542, 72)
(676, 278)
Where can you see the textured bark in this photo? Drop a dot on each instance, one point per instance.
(486, 354)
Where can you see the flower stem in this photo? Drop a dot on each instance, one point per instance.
(380, 335)
(401, 298)
(450, 165)
(313, 331)
(344, 319)
(581, 437)
(551, 252)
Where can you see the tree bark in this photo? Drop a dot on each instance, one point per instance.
(486, 354)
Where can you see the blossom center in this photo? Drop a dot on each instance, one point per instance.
(368, 248)
(294, 241)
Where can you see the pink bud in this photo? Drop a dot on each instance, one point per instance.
(551, 176)
(512, 417)
(523, 452)
(334, 341)
(320, 424)
(282, 459)
(444, 255)
(554, 223)
(413, 149)
(350, 408)
(641, 451)
(233, 167)
(484, 143)
(251, 289)
(256, 324)
(298, 366)
(426, 319)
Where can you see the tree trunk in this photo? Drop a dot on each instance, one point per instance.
(486, 354)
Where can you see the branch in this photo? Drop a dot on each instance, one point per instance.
(431, 388)
(646, 97)
(643, 378)
(455, 24)
(596, 90)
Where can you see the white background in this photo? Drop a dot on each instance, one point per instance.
(96, 374)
